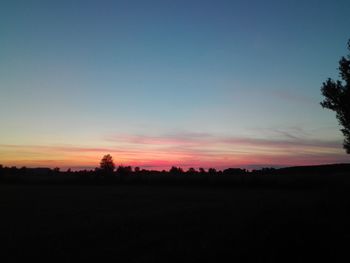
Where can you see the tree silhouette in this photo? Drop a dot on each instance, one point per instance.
(212, 171)
(191, 171)
(107, 164)
(337, 97)
(176, 170)
(124, 170)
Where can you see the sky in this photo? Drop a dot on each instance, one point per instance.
(169, 83)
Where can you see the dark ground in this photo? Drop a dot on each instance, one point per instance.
(140, 223)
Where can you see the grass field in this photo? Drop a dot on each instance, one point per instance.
(139, 223)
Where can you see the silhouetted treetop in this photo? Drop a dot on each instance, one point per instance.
(107, 164)
(337, 97)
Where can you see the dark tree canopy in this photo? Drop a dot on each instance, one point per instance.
(337, 97)
(107, 164)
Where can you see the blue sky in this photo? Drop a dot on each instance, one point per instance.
(78, 73)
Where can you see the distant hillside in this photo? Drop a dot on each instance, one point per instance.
(317, 169)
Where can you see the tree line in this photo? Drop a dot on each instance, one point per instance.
(109, 173)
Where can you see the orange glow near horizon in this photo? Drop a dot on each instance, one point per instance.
(184, 151)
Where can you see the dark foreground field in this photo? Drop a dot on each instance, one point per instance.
(140, 223)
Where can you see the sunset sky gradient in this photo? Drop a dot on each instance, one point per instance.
(162, 83)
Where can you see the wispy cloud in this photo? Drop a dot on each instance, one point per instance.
(294, 97)
(202, 139)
